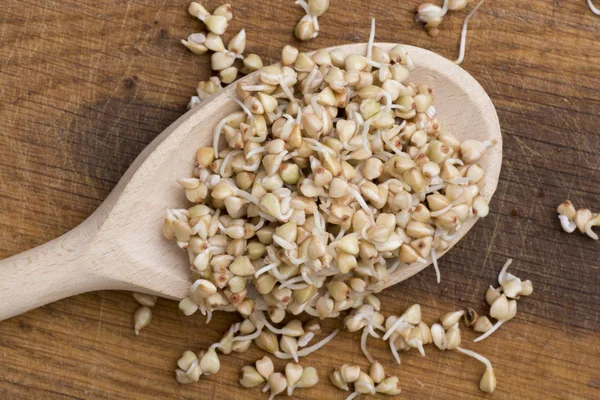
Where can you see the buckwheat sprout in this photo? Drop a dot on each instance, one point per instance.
(501, 274)
(317, 146)
(170, 216)
(375, 64)
(295, 260)
(394, 350)
(397, 324)
(454, 161)
(438, 276)
(476, 356)
(202, 309)
(400, 127)
(372, 326)
(371, 40)
(349, 148)
(179, 215)
(365, 133)
(305, 339)
(590, 224)
(363, 345)
(463, 34)
(217, 134)
(259, 225)
(309, 350)
(260, 316)
(393, 148)
(320, 225)
(242, 193)
(291, 155)
(368, 311)
(315, 23)
(291, 281)
(493, 329)
(447, 237)
(317, 107)
(226, 161)
(267, 268)
(287, 127)
(357, 118)
(286, 89)
(460, 181)
(250, 117)
(567, 225)
(310, 78)
(305, 277)
(388, 99)
(216, 346)
(266, 216)
(254, 152)
(593, 7)
(442, 211)
(251, 336)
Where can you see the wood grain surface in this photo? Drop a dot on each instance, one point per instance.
(86, 85)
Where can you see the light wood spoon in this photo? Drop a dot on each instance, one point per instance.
(120, 246)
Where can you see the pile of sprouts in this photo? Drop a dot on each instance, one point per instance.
(335, 173)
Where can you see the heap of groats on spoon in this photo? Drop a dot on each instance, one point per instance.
(335, 172)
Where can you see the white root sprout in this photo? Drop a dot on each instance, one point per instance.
(493, 329)
(463, 34)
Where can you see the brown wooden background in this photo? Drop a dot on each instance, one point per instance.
(85, 85)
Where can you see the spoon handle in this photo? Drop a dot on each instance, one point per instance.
(44, 274)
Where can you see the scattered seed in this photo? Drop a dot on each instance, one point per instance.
(142, 318)
(144, 299)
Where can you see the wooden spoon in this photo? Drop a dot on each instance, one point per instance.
(120, 246)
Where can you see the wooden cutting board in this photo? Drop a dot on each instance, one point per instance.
(87, 84)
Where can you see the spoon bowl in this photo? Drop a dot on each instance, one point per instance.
(120, 246)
